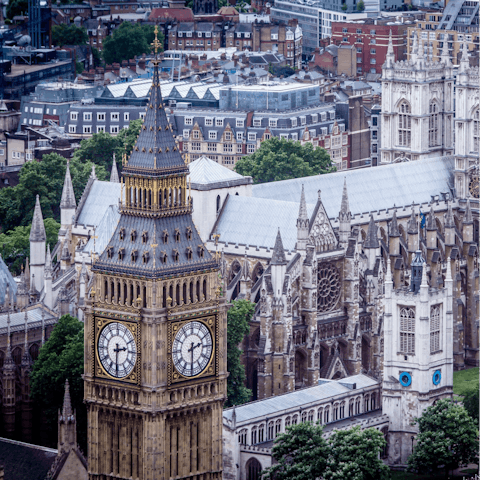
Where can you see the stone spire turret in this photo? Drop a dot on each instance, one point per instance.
(371, 243)
(27, 273)
(417, 272)
(414, 54)
(37, 248)
(464, 62)
(302, 223)
(9, 381)
(26, 359)
(67, 429)
(278, 257)
(114, 174)
(445, 55)
(390, 58)
(67, 203)
(394, 230)
(345, 216)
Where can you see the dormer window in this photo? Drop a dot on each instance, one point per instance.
(176, 255)
(133, 235)
(165, 236)
(121, 253)
(201, 251)
(145, 257)
(189, 233)
(134, 255)
(163, 256)
(109, 252)
(189, 253)
(144, 236)
(122, 234)
(177, 235)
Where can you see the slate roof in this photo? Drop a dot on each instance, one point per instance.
(205, 173)
(255, 221)
(23, 461)
(6, 278)
(17, 319)
(104, 230)
(100, 197)
(395, 184)
(294, 400)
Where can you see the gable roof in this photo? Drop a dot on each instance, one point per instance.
(255, 221)
(100, 196)
(24, 461)
(395, 184)
(179, 14)
(205, 174)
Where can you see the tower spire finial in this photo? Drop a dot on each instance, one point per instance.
(390, 58)
(114, 174)
(345, 213)
(372, 240)
(68, 195)
(37, 232)
(278, 257)
(67, 402)
(302, 213)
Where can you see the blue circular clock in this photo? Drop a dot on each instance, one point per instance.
(437, 377)
(405, 379)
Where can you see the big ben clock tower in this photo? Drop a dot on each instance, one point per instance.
(155, 329)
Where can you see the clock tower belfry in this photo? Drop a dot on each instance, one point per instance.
(155, 326)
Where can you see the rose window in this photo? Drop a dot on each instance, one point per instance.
(328, 287)
(473, 184)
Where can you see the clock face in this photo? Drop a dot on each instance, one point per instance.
(117, 350)
(192, 349)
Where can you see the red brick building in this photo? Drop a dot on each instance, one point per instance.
(370, 39)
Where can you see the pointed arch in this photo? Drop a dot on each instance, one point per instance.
(404, 123)
(434, 124)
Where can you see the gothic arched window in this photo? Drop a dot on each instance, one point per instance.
(407, 330)
(476, 130)
(404, 125)
(253, 468)
(433, 125)
(435, 329)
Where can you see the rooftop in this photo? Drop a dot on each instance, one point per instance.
(300, 398)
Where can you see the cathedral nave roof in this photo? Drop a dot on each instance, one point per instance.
(255, 221)
(369, 189)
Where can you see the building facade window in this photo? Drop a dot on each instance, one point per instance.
(433, 125)
(476, 130)
(434, 328)
(407, 330)
(404, 125)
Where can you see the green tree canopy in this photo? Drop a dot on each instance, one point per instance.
(15, 244)
(301, 453)
(44, 178)
(238, 319)
(127, 41)
(447, 439)
(64, 34)
(355, 454)
(360, 6)
(471, 403)
(100, 147)
(280, 159)
(17, 7)
(61, 358)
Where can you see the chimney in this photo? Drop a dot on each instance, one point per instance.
(132, 65)
(116, 68)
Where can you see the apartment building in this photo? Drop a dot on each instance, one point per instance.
(196, 36)
(370, 38)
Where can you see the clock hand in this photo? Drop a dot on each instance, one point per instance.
(116, 350)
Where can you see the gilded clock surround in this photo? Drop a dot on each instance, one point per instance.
(210, 370)
(100, 371)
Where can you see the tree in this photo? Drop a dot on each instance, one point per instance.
(15, 244)
(280, 159)
(64, 34)
(127, 41)
(344, 7)
(301, 453)
(61, 358)
(46, 179)
(238, 326)
(447, 439)
(355, 454)
(100, 147)
(17, 7)
(471, 402)
(360, 6)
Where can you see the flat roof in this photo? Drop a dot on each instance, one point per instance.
(18, 70)
(280, 87)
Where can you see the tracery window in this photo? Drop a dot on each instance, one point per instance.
(242, 437)
(311, 414)
(254, 435)
(433, 125)
(294, 420)
(404, 125)
(329, 287)
(304, 417)
(270, 430)
(434, 328)
(476, 130)
(260, 433)
(407, 330)
(278, 427)
(326, 415)
(335, 412)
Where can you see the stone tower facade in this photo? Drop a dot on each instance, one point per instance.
(418, 354)
(467, 129)
(417, 106)
(155, 326)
